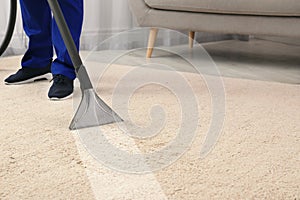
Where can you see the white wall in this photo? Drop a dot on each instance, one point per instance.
(19, 40)
(104, 18)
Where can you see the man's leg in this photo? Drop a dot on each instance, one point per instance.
(36, 16)
(62, 68)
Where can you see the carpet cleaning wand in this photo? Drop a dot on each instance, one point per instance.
(92, 110)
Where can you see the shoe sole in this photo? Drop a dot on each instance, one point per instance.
(47, 76)
(60, 99)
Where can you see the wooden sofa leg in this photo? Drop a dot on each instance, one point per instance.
(191, 38)
(151, 41)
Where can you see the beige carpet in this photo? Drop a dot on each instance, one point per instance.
(257, 155)
(38, 156)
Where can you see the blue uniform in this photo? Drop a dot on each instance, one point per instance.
(43, 34)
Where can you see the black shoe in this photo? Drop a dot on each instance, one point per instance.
(28, 75)
(62, 87)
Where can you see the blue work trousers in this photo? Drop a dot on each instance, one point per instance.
(43, 34)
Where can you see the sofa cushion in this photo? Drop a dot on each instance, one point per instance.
(244, 7)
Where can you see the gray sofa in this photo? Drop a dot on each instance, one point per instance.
(255, 17)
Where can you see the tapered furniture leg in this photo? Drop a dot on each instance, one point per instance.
(151, 41)
(191, 38)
